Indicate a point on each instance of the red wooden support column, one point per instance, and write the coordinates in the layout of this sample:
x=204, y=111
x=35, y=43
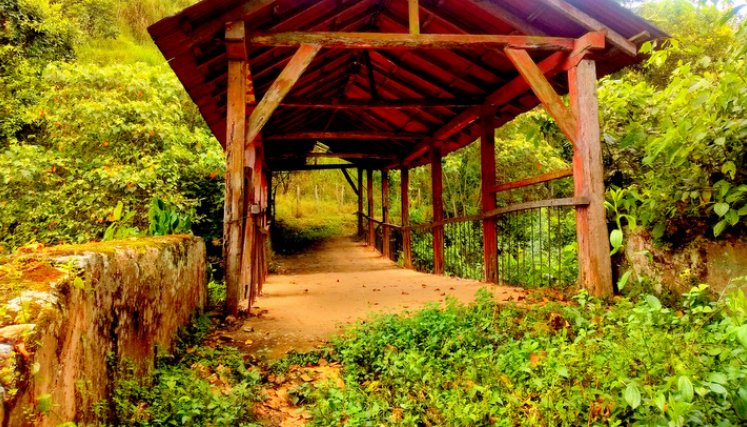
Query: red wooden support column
x=370, y=193
x=386, y=250
x=235, y=139
x=437, y=188
x=406, y=234
x=487, y=166
x=595, y=270
x=360, y=202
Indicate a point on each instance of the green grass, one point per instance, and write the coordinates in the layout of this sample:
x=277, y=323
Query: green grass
x=580, y=363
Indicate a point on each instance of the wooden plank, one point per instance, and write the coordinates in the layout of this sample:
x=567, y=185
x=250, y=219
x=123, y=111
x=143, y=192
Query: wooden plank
x=283, y=168
x=495, y=10
x=487, y=167
x=551, y=203
x=405, y=200
x=234, y=192
x=539, y=179
x=437, y=189
x=353, y=40
x=345, y=135
x=370, y=194
x=358, y=104
x=360, y=203
x=350, y=181
x=550, y=99
x=386, y=249
x=595, y=270
x=282, y=85
x=414, y=16
x=592, y=24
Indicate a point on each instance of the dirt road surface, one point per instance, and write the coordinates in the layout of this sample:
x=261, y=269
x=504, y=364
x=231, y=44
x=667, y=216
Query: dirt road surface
x=334, y=284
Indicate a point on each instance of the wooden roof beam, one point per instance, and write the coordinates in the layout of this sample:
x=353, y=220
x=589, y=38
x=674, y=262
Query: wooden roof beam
x=365, y=104
x=352, y=40
x=332, y=155
x=345, y=135
x=497, y=11
x=550, y=66
x=591, y=24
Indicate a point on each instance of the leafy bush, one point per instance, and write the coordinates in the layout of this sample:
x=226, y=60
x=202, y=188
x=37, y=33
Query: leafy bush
x=637, y=363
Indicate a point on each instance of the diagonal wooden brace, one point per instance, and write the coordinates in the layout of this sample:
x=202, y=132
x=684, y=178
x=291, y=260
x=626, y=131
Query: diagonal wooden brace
x=544, y=91
x=279, y=89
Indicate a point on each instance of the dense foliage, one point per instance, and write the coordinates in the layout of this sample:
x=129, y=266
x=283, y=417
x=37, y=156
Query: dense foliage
x=636, y=362
x=89, y=146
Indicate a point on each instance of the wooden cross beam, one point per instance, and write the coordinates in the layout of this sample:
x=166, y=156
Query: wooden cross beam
x=404, y=103
x=351, y=40
x=279, y=89
x=345, y=135
x=550, y=66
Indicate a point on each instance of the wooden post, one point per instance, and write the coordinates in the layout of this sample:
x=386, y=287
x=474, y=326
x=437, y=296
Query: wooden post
x=437, y=188
x=414, y=18
x=386, y=250
x=235, y=139
x=360, y=202
x=406, y=234
x=370, y=193
x=595, y=271
x=487, y=166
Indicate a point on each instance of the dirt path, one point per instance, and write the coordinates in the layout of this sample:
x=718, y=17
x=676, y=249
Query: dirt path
x=334, y=284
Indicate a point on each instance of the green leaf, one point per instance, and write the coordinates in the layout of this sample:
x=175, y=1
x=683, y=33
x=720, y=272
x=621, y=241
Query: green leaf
x=721, y=209
x=719, y=228
x=623, y=281
x=729, y=168
x=686, y=388
x=616, y=238
x=742, y=335
x=632, y=395
x=653, y=302
x=117, y=214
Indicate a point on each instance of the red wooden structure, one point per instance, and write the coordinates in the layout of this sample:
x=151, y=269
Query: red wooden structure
x=394, y=84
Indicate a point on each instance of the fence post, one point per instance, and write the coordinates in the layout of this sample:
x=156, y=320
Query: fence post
x=370, y=193
x=595, y=270
x=437, y=187
x=487, y=165
x=385, y=231
x=360, y=202
x=406, y=236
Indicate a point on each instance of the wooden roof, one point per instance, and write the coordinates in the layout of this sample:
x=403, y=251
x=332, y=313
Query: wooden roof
x=386, y=107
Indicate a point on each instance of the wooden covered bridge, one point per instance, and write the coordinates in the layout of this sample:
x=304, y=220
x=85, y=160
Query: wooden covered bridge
x=392, y=85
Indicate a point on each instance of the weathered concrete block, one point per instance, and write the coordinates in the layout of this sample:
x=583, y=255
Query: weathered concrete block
x=104, y=303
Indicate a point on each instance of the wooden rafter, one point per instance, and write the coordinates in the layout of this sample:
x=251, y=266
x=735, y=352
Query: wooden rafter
x=414, y=16
x=552, y=102
x=351, y=40
x=550, y=66
x=497, y=11
x=345, y=135
x=591, y=24
x=365, y=104
x=274, y=96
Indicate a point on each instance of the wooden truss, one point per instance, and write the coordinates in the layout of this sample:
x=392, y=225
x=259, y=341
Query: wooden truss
x=247, y=179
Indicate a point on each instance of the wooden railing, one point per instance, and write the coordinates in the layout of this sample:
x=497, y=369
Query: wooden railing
x=533, y=245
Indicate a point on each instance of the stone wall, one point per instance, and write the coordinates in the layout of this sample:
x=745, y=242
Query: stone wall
x=91, y=307
x=720, y=264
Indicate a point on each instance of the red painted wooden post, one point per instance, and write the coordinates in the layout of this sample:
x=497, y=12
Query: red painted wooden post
x=437, y=187
x=487, y=166
x=360, y=203
x=406, y=234
x=595, y=271
x=370, y=193
x=386, y=250
x=235, y=138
